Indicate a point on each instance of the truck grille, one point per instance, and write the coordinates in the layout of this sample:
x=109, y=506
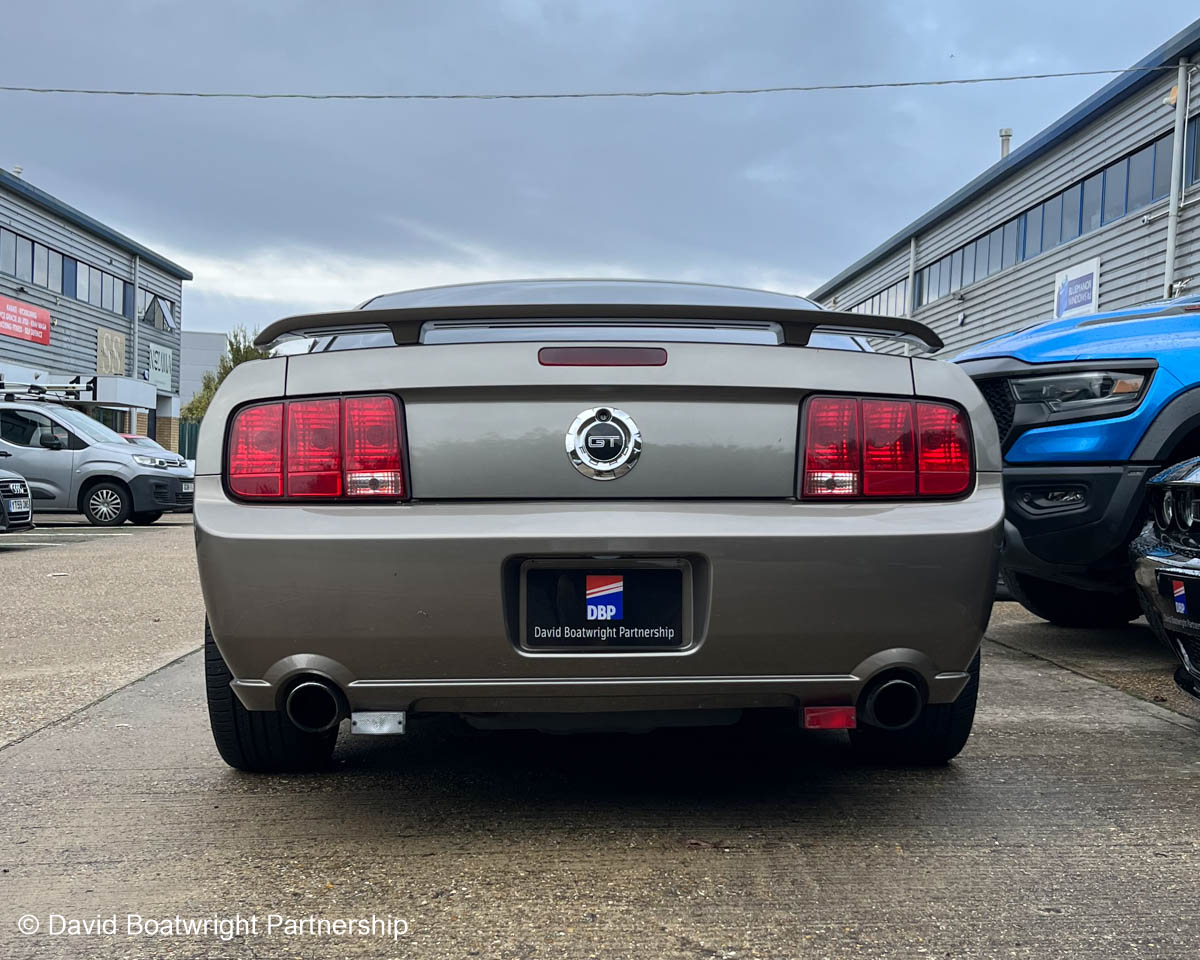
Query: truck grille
x=1191, y=647
x=184, y=499
x=1001, y=402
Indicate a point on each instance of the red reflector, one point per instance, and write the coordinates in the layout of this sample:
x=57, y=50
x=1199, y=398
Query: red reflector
x=256, y=451
x=831, y=448
x=602, y=356
x=372, y=447
x=830, y=718
x=889, y=458
x=943, y=450
x=314, y=454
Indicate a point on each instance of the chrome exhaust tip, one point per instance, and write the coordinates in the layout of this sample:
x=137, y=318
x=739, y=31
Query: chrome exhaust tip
x=894, y=704
x=314, y=706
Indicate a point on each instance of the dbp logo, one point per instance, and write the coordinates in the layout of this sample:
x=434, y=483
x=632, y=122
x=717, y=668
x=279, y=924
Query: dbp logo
x=605, y=596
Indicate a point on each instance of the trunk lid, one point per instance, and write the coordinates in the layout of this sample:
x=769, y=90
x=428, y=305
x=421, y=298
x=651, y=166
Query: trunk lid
x=489, y=421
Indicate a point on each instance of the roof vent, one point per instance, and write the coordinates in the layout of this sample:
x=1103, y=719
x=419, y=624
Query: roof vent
x=1005, y=141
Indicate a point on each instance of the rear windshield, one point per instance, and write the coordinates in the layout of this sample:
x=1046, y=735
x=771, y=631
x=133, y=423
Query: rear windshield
x=766, y=334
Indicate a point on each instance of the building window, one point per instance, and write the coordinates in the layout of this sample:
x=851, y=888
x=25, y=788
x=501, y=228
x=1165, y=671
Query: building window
x=1093, y=191
x=24, y=259
x=8, y=251
x=1072, y=205
x=95, y=287
x=1116, y=178
x=1162, y=165
x=81, y=281
x=1011, y=235
x=1033, y=232
x=54, y=271
x=1141, y=179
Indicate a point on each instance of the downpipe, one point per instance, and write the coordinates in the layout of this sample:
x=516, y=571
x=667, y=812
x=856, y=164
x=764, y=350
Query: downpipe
x=315, y=706
x=893, y=703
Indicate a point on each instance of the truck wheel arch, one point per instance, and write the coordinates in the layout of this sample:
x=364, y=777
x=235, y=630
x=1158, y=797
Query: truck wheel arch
x=1175, y=432
x=86, y=487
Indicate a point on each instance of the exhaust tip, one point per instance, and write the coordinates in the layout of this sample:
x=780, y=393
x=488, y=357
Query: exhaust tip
x=893, y=704
x=314, y=706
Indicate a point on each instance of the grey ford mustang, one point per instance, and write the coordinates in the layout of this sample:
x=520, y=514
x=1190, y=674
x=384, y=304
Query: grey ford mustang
x=594, y=504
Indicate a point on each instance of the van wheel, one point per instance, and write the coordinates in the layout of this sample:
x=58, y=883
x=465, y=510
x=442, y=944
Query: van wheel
x=1067, y=606
x=106, y=505
x=145, y=518
x=257, y=741
x=937, y=736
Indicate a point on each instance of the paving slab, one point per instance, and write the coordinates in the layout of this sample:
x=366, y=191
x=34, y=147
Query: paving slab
x=1068, y=828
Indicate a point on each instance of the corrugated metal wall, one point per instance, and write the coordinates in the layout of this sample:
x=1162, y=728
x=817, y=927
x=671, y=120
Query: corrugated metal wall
x=72, y=348
x=1131, y=251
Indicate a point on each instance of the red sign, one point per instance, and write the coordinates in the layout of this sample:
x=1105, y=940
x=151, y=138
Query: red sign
x=24, y=321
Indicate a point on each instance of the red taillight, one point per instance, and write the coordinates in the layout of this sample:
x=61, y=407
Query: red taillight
x=256, y=452
x=831, y=455
x=372, y=461
x=944, y=450
x=324, y=448
x=882, y=447
x=314, y=448
x=889, y=460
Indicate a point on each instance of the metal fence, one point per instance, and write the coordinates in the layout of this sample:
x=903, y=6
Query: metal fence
x=189, y=432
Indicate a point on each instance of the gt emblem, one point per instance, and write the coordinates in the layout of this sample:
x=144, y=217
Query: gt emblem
x=604, y=443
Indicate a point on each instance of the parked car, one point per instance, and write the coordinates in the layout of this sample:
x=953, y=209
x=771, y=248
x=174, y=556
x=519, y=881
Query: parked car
x=597, y=504
x=1167, y=567
x=16, y=509
x=1087, y=409
x=75, y=463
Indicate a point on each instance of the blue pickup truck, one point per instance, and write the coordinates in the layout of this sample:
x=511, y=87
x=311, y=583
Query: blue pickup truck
x=1088, y=408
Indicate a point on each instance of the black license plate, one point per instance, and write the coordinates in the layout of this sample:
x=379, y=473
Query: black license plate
x=605, y=607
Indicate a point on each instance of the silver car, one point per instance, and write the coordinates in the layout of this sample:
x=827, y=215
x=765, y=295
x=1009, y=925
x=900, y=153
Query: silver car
x=16, y=512
x=594, y=505
x=75, y=463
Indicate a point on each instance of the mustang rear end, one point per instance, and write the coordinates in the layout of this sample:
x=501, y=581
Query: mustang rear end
x=578, y=504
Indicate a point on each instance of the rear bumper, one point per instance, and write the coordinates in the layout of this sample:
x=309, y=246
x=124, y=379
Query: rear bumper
x=409, y=607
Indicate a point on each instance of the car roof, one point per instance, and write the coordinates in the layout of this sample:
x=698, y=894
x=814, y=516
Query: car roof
x=502, y=292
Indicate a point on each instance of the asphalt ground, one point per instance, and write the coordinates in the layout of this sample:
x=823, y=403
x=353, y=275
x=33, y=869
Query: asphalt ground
x=1067, y=828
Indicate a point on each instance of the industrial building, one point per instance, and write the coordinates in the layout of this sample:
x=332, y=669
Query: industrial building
x=79, y=299
x=1098, y=211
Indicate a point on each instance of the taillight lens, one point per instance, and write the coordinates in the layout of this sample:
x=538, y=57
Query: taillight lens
x=256, y=452
x=889, y=458
x=372, y=461
x=314, y=448
x=832, y=464
x=881, y=447
x=944, y=450
x=325, y=448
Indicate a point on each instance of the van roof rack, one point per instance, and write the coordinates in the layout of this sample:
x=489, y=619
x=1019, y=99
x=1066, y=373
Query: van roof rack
x=71, y=390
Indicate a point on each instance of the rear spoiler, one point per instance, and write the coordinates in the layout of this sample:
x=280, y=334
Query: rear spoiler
x=405, y=323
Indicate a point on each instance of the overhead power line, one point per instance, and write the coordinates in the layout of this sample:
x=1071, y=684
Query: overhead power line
x=592, y=95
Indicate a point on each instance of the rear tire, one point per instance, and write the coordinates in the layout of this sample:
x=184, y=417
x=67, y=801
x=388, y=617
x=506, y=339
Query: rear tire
x=144, y=519
x=1067, y=606
x=936, y=737
x=257, y=741
x=106, y=504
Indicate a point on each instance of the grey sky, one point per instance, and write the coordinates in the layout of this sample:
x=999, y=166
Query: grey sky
x=288, y=206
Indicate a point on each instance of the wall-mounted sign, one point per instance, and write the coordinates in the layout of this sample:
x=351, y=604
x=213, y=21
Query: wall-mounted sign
x=159, y=371
x=1077, y=289
x=24, y=321
x=110, y=352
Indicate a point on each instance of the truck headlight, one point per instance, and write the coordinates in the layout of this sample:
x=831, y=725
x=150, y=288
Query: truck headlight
x=149, y=461
x=1082, y=392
